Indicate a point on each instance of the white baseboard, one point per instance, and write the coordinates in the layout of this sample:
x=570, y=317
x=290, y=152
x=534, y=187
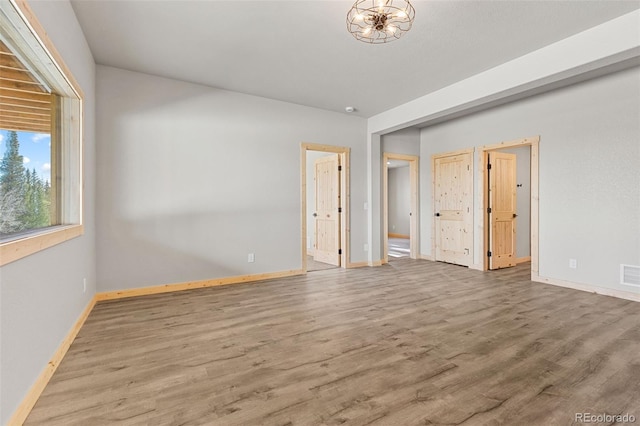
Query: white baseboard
x=627, y=295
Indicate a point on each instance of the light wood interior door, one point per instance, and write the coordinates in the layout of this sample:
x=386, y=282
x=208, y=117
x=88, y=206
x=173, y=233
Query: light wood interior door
x=453, y=200
x=327, y=209
x=502, y=210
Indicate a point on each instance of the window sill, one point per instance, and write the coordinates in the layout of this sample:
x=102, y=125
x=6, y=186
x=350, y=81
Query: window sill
x=23, y=247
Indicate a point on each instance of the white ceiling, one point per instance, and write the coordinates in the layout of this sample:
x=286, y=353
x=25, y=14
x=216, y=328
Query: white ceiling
x=300, y=51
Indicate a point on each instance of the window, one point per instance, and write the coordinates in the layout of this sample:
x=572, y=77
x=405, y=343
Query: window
x=40, y=139
x=25, y=182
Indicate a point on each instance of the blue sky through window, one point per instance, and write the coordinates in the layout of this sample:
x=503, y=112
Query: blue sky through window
x=36, y=150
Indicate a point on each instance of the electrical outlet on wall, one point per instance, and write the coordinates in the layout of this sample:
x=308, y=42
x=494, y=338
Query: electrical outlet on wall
x=573, y=263
x=84, y=285
x=366, y=247
x=251, y=258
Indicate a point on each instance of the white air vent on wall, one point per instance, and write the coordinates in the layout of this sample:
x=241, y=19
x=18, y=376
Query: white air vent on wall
x=630, y=275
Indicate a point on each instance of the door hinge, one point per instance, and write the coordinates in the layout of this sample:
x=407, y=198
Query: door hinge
x=339, y=251
x=339, y=168
x=488, y=254
x=489, y=166
x=488, y=209
x=339, y=209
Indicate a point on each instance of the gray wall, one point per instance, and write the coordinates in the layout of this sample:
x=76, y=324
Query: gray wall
x=405, y=141
x=191, y=179
x=399, y=200
x=41, y=296
x=523, y=199
x=312, y=156
x=589, y=180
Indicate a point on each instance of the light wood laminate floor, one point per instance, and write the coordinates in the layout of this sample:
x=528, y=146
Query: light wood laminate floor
x=398, y=247
x=313, y=265
x=409, y=343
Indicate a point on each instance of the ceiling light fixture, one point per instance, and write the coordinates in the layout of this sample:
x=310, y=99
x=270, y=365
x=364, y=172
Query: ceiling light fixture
x=380, y=21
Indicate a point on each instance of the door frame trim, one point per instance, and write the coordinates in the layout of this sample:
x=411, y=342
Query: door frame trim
x=345, y=229
x=414, y=221
x=483, y=185
x=433, y=199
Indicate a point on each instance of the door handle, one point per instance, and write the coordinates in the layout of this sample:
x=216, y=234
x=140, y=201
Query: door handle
x=315, y=215
x=515, y=215
x=437, y=214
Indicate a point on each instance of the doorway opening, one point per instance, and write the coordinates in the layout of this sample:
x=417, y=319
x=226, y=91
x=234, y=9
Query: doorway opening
x=325, y=206
x=400, y=206
x=510, y=203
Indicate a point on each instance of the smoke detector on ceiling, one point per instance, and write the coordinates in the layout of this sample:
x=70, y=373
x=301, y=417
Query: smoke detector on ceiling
x=350, y=109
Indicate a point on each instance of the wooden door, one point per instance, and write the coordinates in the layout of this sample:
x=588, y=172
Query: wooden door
x=502, y=210
x=327, y=211
x=453, y=201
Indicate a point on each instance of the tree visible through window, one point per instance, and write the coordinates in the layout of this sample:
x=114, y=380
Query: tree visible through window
x=40, y=139
x=25, y=181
